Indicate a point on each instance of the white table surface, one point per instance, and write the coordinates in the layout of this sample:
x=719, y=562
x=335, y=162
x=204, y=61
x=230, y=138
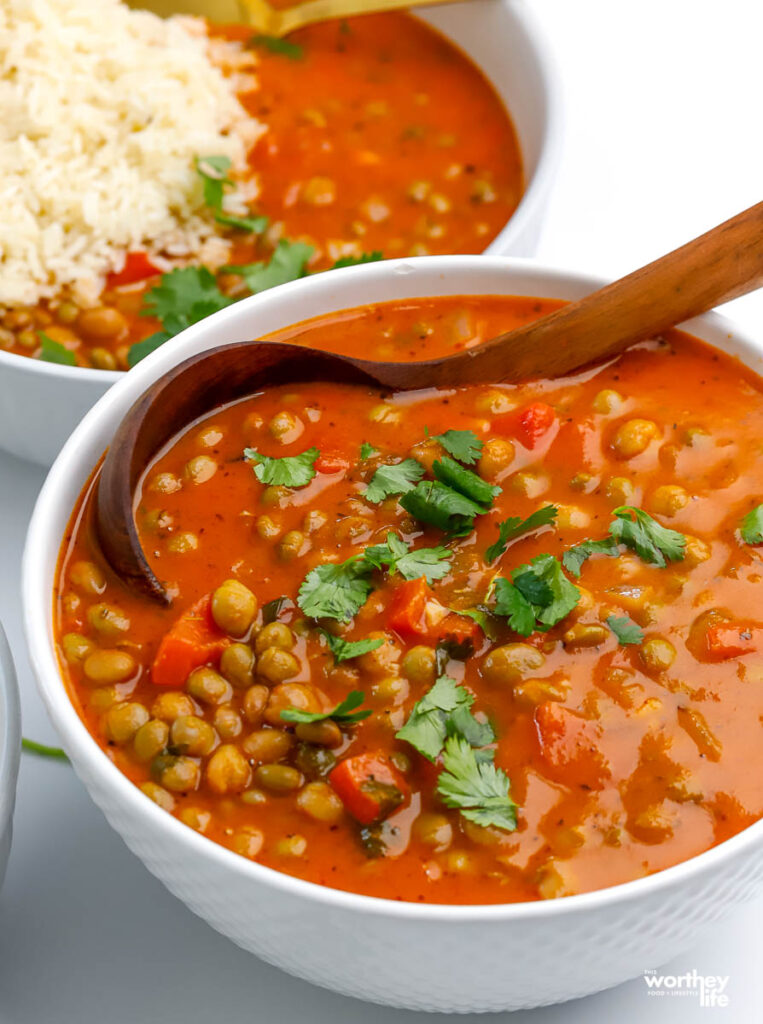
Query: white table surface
x=663, y=141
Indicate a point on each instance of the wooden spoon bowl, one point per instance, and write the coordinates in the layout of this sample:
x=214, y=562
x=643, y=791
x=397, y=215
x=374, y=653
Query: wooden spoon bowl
x=720, y=265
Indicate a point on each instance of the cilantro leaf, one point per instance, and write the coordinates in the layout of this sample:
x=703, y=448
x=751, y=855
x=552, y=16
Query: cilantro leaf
x=432, y=502
x=54, y=352
x=389, y=480
x=626, y=631
x=449, y=472
x=343, y=713
x=463, y=445
x=433, y=563
x=282, y=47
x=444, y=710
x=482, y=617
x=213, y=172
x=472, y=784
x=515, y=527
x=144, y=348
x=751, y=527
x=346, y=649
x=655, y=544
x=511, y=603
x=356, y=261
x=290, y=471
x=336, y=590
x=272, y=609
x=367, y=450
x=255, y=225
x=288, y=263
x=574, y=557
x=538, y=596
x=183, y=297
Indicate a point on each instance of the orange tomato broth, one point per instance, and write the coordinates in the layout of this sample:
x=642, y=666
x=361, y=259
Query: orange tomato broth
x=626, y=768
x=383, y=137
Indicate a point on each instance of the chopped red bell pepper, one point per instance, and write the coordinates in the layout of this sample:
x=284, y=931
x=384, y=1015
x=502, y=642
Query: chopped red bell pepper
x=194, y=640
x=459, y=628
x=535, y=420
x=137, y=268
x=331, y=462
x=731, y=640
x=530, y=425
x=569, y=746
x=369, y=787
x=415, y=614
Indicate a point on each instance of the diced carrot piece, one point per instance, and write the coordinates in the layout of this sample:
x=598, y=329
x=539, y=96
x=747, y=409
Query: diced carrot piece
x=194, y=640
x=369, y=787
x=331, y=462
x=569, y=746
x=731, y=640
x=137, y=268
x=406, y=612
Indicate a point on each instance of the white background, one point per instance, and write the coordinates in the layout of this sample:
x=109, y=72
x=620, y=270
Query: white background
x=664, y=140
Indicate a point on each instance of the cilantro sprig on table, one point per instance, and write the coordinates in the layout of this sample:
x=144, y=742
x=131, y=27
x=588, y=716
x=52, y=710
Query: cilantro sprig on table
x=290, y=471
x=344, y=713
x=390, y=480
x=652, y=542
x=537, y=597
x=444, y=711
x=42, y=750
x=397, y=556
x=751, y=527
x=514, y=527
x=471, y=783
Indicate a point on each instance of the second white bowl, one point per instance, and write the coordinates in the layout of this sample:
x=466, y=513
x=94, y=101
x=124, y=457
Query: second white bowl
x=41, y=403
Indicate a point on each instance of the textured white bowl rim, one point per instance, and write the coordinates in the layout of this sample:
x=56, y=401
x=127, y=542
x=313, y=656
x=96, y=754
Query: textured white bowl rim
x=83, y=749
x=533, y=196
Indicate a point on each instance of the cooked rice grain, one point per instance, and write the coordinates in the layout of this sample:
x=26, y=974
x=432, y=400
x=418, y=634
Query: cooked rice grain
x=103, y=111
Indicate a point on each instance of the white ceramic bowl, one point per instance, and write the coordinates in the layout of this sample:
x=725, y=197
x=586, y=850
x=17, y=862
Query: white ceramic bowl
x=10, y=748
x=41, y=403
x=447, y=958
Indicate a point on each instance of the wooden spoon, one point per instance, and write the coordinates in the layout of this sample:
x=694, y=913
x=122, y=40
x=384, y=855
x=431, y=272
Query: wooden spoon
x=720, y=265
x=267, y=20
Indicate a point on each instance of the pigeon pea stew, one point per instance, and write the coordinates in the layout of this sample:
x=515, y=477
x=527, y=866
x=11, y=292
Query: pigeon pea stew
x=484, y=644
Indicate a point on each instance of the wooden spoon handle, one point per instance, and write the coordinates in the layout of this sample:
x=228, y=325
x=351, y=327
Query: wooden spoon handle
x=718, y=266
x=282, y=22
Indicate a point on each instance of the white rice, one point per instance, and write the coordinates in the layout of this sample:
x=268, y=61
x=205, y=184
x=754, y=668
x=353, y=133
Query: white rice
x=104, y=110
